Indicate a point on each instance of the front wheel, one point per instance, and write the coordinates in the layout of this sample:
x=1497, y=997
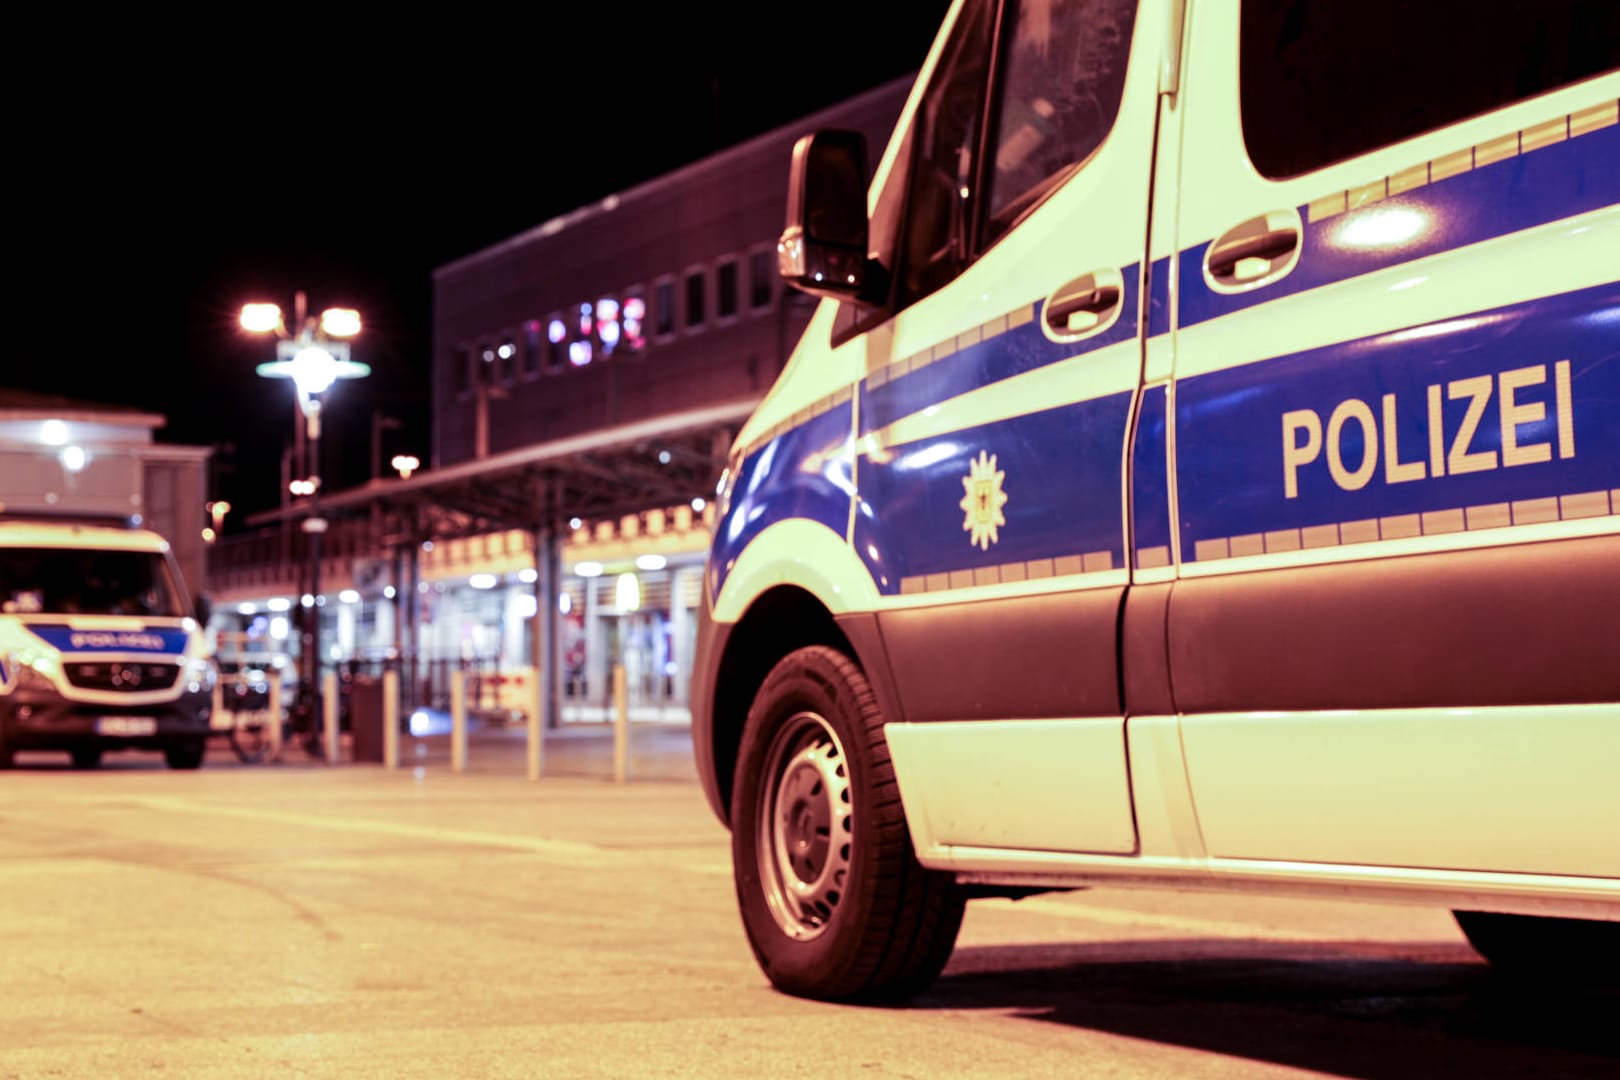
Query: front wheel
x=834, y=902
x=186, y=755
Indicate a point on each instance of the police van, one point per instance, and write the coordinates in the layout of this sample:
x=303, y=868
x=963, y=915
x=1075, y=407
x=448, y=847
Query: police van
x=1202, y=470
x=101, y=649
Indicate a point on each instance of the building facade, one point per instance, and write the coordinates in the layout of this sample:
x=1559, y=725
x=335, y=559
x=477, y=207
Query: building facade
x=74, y=458
x=588, y=376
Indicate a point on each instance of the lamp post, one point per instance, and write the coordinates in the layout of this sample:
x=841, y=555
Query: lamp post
x=314, y=353
x=216, y=512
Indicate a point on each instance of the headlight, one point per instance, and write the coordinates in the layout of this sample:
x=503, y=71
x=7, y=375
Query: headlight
x=201, y=675
x=32, y=677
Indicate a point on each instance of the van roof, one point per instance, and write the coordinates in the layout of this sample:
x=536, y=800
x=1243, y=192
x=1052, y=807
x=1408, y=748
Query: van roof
x=75, y=535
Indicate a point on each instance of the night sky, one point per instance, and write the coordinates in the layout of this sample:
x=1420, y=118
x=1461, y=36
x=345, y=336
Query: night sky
x=176, y=173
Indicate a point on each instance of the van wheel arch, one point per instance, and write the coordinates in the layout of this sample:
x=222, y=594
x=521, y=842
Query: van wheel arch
x=780, y=621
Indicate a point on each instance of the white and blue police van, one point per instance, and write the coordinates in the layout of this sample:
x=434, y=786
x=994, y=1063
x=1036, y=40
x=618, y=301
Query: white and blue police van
x=1202, y=470
x=101, y=648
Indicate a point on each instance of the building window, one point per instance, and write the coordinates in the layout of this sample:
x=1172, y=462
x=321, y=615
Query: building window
x=609, y=332
x=633, y=322
x=725, y=290
x=696, y=301
x=556, y=343
x=506, y=362
x=580, y=351
x=533, y=347
x=761, y=277
x=664, y=308
x=486, y=365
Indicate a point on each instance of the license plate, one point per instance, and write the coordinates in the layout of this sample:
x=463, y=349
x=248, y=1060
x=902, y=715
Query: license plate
x=126, y=725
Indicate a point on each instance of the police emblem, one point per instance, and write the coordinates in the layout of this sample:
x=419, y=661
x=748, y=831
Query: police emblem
x=983, y=500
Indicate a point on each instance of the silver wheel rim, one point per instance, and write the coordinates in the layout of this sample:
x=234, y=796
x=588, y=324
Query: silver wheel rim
x=803, y=828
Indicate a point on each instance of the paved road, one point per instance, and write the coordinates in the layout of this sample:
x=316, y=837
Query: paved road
x=310, y=921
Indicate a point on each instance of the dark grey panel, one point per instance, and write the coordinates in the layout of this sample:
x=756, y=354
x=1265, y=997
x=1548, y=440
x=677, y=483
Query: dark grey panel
x=1146, y=651
x=1023, y=658
x=1529, y=624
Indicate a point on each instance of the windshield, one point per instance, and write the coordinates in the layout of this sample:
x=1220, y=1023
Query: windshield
x=64, y=581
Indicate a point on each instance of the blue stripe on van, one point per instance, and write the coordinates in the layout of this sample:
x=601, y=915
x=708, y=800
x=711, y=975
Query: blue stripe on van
x=804, y=473
x=1536, y=188
x=1150, y=480
x=148, y=639
x=1229, y=423
x=987, y=361
x=1495, y=370
x=1062, y=485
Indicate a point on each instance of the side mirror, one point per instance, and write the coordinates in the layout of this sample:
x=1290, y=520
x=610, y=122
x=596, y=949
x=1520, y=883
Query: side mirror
x=205, y=610
x=822, y=250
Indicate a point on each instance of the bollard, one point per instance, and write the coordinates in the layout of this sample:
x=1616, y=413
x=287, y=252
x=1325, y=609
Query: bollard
x=535, y=747
x=216, y=706
x=458, y=721
x=390, y=719
x=274, y=719
x=329, y=715
x=621, y=726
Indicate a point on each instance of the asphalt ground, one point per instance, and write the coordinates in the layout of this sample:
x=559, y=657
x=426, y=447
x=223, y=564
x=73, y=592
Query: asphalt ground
x=656, y=751
x=299, y=919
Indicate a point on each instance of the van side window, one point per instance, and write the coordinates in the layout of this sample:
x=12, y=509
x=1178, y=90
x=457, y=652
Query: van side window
x=938, y=200
x=1063, y=73
x=1321, y=83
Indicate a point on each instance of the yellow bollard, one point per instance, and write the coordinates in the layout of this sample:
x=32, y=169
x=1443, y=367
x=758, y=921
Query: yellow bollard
x=621, y=726
x=275, y=713
x=390, y=719
x=536, y=748
x=329, y=716
x=458, y=721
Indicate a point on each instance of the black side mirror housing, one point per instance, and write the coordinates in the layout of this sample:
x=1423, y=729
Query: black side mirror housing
x=823, y=247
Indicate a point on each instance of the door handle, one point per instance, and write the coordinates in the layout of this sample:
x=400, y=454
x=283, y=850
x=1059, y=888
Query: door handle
x=1254, y=253
x=1087, y=305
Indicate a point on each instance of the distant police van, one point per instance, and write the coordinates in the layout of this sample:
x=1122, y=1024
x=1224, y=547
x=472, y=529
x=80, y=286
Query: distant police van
x=1202, y=471
x=100, y=648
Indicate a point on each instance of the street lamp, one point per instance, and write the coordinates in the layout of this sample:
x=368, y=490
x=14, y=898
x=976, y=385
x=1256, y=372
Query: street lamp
x=314, y=353
x=216, y=511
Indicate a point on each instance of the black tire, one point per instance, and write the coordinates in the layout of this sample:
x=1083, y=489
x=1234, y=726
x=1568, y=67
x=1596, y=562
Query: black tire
x=88, y=757
x=834, y=902
x=1539, y=946
x=186, y=755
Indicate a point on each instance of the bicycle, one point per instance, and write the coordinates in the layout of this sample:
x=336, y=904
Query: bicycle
x=251, y=735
